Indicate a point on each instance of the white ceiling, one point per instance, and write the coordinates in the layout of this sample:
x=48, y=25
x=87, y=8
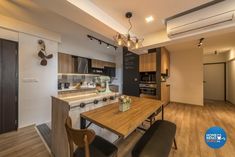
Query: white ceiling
x=33, y=13
x=159, y=9
x=221, y=43
x=63, y=17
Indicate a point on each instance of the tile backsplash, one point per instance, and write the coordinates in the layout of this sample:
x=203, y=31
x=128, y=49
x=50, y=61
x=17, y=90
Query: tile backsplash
x=75, y=79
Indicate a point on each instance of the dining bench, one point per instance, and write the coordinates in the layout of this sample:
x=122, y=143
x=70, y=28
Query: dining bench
x=156, y=141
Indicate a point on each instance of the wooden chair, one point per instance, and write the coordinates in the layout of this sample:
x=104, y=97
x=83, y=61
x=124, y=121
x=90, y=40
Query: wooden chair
x=88, y=144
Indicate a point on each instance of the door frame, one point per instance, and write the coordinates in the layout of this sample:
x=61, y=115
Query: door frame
x=225, y=77
x=16, y=81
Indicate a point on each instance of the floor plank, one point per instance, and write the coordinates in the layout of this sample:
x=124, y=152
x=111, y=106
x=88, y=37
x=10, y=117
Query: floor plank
x=22, y=143
x=192, y=123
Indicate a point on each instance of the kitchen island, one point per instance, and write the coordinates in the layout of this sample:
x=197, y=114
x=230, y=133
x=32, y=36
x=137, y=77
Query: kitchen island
x=73, y=104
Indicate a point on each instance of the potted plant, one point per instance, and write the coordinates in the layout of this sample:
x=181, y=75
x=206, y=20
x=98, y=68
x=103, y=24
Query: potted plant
x=124, y=103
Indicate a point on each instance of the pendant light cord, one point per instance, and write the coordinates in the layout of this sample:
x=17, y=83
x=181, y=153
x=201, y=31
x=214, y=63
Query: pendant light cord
x=129, y=20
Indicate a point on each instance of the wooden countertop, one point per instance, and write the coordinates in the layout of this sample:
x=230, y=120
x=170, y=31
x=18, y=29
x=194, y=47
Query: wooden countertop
x=75, y=98
x=123, y=123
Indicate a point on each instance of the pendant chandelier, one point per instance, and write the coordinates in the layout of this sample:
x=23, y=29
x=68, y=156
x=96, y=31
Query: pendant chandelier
x=127, y=40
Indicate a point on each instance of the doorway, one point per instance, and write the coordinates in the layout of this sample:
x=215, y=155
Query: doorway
x=8, y=85
x=215, y=81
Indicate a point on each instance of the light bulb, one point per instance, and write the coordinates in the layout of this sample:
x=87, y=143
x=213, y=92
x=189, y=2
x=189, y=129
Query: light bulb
x=128, y=40
x=119, y=42
x=128, y=43
x=136, y=45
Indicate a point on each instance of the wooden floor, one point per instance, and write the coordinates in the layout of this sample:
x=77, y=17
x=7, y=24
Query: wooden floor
x=192, y=123
x=23, y=143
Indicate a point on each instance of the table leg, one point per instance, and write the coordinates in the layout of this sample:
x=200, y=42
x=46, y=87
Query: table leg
x=82, y=123
x=162, y=112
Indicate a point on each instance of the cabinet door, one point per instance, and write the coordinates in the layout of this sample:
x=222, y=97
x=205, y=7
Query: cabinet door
x=93, y=63
x=110, y=64
x=152, y=59
x=65, y=63
x=141, y=63
x=147, y=62
x=130, y=73
x=97, y=64
x=165, y=61
x=165, y=93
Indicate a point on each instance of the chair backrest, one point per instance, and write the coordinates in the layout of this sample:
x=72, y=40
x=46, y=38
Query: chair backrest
x=80, y=137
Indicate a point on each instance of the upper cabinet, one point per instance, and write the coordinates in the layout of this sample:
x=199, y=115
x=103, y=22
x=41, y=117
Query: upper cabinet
x=80, y=65
x=165, y=61
x=97, y=64
x=65, y=63
x=148, y=62
x=101, y=64
x=103, y=67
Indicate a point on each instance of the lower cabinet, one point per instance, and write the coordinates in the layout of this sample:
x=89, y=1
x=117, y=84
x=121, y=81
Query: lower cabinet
x=165, y=93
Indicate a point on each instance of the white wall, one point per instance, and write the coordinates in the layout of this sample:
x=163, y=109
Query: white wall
x=231, y=54
x=119, y=69
x=19, y=26
x=82, y=46
x=227, y=57
x=35, y=97
x=9, y=35
x=231, y=76
x=186, y=76
x=231, y=81
x=212, y=58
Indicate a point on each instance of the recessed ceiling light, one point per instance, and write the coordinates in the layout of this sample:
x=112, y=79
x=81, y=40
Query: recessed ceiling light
x=149, y=19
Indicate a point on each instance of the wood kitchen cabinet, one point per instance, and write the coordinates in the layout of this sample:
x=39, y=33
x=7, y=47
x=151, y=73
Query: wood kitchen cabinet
x=65, y=63
x=148, y=62
x=110, y=64
x=101, y=64
x=165, y=93
x=97, y=64
x=165, y=61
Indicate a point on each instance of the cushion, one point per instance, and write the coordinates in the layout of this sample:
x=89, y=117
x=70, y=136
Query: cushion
x=157, y=140
x=98, y=148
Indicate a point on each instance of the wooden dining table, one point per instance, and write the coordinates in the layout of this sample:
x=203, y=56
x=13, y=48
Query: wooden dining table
x=122, y=123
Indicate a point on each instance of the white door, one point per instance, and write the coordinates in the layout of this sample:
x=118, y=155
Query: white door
x=214, y=81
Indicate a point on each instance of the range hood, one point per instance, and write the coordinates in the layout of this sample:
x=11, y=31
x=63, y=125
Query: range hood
x=80, y=65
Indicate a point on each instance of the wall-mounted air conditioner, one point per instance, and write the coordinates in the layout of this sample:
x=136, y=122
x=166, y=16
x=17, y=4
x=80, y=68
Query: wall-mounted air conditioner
x=200, y=21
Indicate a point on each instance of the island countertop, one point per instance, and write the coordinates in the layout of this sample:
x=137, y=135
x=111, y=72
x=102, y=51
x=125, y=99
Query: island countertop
x=74, y=99
x=72, y=105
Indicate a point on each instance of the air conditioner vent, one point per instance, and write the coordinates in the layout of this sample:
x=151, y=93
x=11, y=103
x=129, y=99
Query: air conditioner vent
x=215, y=17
